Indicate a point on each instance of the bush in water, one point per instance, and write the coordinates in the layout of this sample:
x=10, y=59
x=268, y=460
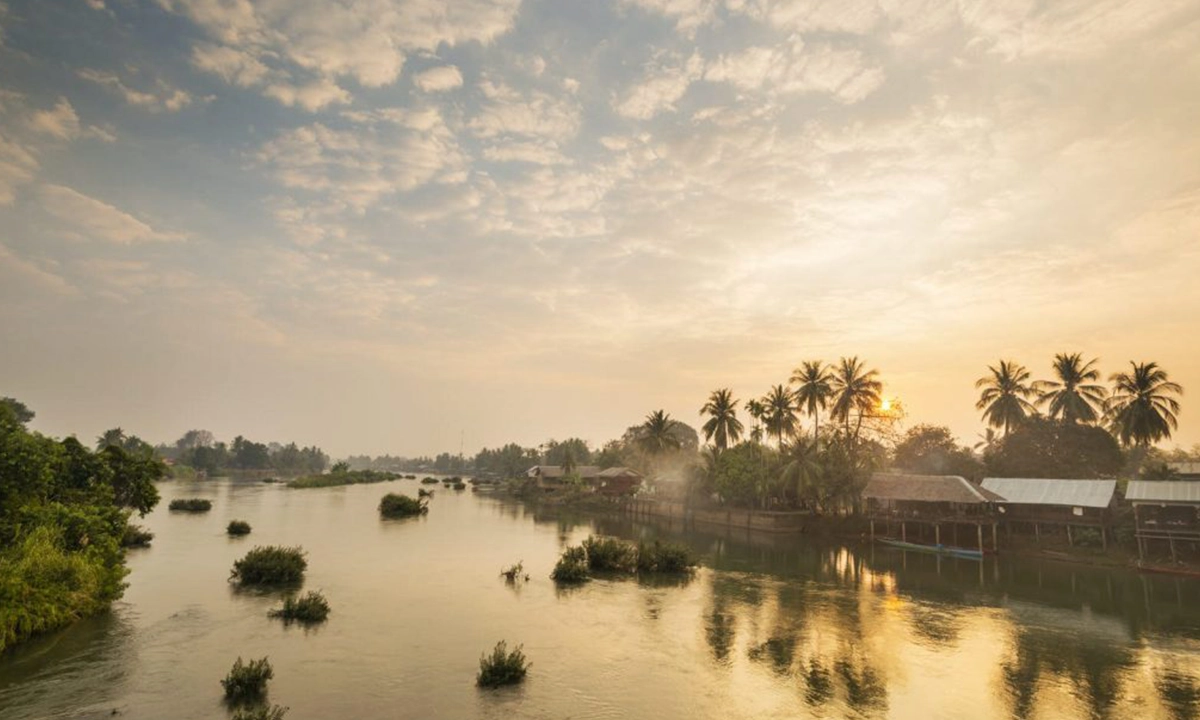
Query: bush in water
x=309, y=608
x=247, y=682
x=192, y=505
x=502, y=667
x=401, y=506
x=238, y=527
x=271, y=565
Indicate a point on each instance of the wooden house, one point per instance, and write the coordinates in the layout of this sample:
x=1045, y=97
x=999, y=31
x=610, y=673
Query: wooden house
x=931, y=502
x=1166, y=513
x=1036, y=502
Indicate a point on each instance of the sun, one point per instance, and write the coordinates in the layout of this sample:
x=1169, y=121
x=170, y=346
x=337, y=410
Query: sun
x=885, y=404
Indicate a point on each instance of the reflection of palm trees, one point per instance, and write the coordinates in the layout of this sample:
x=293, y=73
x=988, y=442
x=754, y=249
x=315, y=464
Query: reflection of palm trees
x=865, y=688
x=1179, y=693
x=720, y=630
x=779, y=649
x=819, y=682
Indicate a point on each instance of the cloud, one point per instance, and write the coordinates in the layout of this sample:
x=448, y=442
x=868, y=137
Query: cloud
x=687, y=14
x=21, y=270
x=311, y=96
x=60, y=121
x=439, y=79
x=165, y=98
x=664, y=82
x=234, y=66
x=791, y=68
x=90, y=219
x=17, y=167
x=537, y=153
x=533, y=114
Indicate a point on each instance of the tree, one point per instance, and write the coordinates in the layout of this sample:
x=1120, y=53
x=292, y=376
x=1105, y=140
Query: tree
x=1072, y=397
x=722, y=427
x=757, y=410
x=133, y=477
x=576, y=448
x=856, y=391
x=656, y=436
x=1141, y=409
x=814, y=386
x=1005, y=397
x=20, y=412
x=802, y=471
x=742, y=475
x=932, y=450
x=1045, y=448
x=111, y=438
x=781, y=413
x=193, y=439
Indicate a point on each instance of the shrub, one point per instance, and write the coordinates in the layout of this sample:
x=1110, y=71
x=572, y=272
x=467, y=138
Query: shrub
x=238, y=527
x=247, y=682
x=309, y=608
x=261, y=712
x=515, y=573
x=271, y=565
x=401, y=506
x=192, y=505
x=664, y=558
x=343, y=477
x=460, y=486
x=136, y=536
x=609, y=555
x=571, y=567
x=423, y=493
x=501, y=667
x=429, y=480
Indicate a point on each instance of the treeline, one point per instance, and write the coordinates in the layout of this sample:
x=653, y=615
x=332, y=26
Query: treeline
x=200, y=450
x=64, y=510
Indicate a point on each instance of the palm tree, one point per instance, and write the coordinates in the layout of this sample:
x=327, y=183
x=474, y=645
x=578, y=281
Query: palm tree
x=1141, y=410
x=814, y=386
x=723, y=427
x=854, y=389
x=657, y=435
x=1004, y=400
x=781, y=413
x=1073, y=397
x=758, y=411
x=111, y=438
x=802, y=470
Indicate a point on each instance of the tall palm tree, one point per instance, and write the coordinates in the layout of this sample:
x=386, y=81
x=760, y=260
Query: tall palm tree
x=814, y=386
x=802, y=470
x=758, y=411
x=855, y=390
x=1005, y=397
x=656, y=434
x=723, y=428
x=1141, y=410
x=781, y=413
x=1073, y=396
x=111, y=438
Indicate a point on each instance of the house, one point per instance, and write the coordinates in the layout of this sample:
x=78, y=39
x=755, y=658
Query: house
x=1035, y=502
x=609, y=481
x=930, y=501
x=1189, y=471
x=619, y=481
x=1166, y=511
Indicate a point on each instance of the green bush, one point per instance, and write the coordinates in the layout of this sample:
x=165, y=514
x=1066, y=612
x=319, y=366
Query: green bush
x=423, y=493
x=429, y=480
x=460, y=486
x=343, y=477
x=502, y=667
x=271, y=565
x=609, y=555
x=247, y=683
x=664, y=558
x=238, y=527
x=572, y=567
x=309, y=608
x=261, y=712
x=136, y=536
x=515, y=573
x=192, y=505
x=401, y=506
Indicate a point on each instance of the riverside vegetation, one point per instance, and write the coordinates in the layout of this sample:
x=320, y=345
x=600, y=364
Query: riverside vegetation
x=238, y=528
x=247, y=682
x=394, y=505
x=342, y=475
x=502, y=667
x=270, y=565
x=191, y=505
x=612, y=556
x=312, y=607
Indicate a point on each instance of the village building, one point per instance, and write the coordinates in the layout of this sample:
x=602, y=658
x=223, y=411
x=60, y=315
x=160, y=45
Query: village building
x=1166, y=513
x=608, y=481
x=1033, y=503
x=934, y=507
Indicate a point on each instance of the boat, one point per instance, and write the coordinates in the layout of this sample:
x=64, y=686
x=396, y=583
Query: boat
x=1182, y=570
x=936, y=549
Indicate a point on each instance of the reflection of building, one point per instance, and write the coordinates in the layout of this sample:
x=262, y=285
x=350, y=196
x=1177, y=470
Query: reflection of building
x=1064, y=503
x=931, y=501
x=1165, y=511
x=609, y=481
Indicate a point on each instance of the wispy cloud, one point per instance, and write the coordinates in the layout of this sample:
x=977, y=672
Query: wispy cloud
x=86, y=218
x=164, y=97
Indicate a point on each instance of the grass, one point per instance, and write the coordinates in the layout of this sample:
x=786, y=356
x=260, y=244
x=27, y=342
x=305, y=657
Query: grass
x=460, y=485
x=515, y=572
x=610, y=555
x=401, y=506
x=238, y=527
x=247, y=682
x=136, y=536
x=502, y=667
x=348, y=477
x=270, y=565
x=664, y=558
x=572, y=567
x=311, y=607
x=423, y=493
x=429, y=480
x=192, y=505
x=261, y=712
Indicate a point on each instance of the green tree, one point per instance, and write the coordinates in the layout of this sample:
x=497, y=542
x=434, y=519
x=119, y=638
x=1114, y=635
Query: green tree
x=932, y=450
x=576, y=448
x=856, y=391
x=1142, y=408
x=742, y=474
x=814, y=386
x=781, y=413
x=757, y=410
x=115, y=437
x=656, y=435
x=1005, y=397
x=723, y=427
x=802, y=472
x=20, y=412
x=1044, y=448
x=1073, y=395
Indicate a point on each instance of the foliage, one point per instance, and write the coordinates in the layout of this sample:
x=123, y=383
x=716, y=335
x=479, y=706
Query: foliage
x=664, y=558
x=513, y=573
x=609, y=554
x=931, y=450
x=1073, y=396
x=191, y=505
x=780, y=413
x=261, y=712
x=1158, y=471
x=572, y=566
x=722, y=427
x=509, y=461
x=743, y=474
x=460, y=485
x=270, y=565
x=855, y=391
x=238, y=527
x=423, y=493
x=136, y=536
x=18, y=410
x=394, y=505
x=1005, y=397
x=814, y=386
x=656, y=436
x=338, y=477
x=429, y=481
x=502, y=667
x=572, y=451
x=198, y=449
x=312, y=607
x=1142, y=408
x=247, y=682
x=1043, y=448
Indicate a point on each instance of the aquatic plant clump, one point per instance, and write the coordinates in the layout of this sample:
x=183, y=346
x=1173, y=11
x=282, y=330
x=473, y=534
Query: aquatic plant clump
x=609, y=555
x=515, y=572
x=238, y=527
x=270, y=565
x=261, y=712
x=423, y=493
x=136, y=536
x=401, y=506
x=664, y=558
x=571, y=567
x=247, y=682
x=502, y=667
x=191, y=505
x=311, y=607
x=344, y=477
x=429, y=480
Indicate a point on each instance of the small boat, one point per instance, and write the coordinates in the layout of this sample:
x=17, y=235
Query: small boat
x=937, y=549
x=1183, y=570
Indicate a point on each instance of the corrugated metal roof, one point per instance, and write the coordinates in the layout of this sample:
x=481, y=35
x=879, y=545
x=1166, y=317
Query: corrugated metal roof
x=1043, y=491
x=927, y=488
x=1184, y=491
x=1185, y=468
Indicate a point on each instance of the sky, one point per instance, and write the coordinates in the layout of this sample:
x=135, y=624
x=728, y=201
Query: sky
x=411, y=226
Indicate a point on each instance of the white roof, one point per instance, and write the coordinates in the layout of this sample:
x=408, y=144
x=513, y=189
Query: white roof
x=1045, y=491
x=1185, y=491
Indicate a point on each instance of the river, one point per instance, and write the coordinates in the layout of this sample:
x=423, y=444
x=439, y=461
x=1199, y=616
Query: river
x=769, y=627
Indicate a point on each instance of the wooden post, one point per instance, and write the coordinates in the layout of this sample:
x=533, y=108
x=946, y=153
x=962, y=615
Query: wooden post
x=1037, y=532
x=1104, y=537
x=903, y=531
x=872, y=530
x=1172, y=541
x=937, y=534
x=979, y=530
x=1070, y=540
x=995, y=545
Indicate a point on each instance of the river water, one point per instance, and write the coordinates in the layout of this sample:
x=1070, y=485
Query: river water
x=769, y=627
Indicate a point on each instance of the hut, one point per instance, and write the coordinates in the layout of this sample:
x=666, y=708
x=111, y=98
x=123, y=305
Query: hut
x=554, y=477
x=930, y=501
x=1034, y=502
x=618, y=481
x=1166, y=511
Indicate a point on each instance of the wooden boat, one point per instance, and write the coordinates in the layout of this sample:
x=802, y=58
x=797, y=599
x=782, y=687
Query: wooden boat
x=1181, y=570
x=936, y=549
